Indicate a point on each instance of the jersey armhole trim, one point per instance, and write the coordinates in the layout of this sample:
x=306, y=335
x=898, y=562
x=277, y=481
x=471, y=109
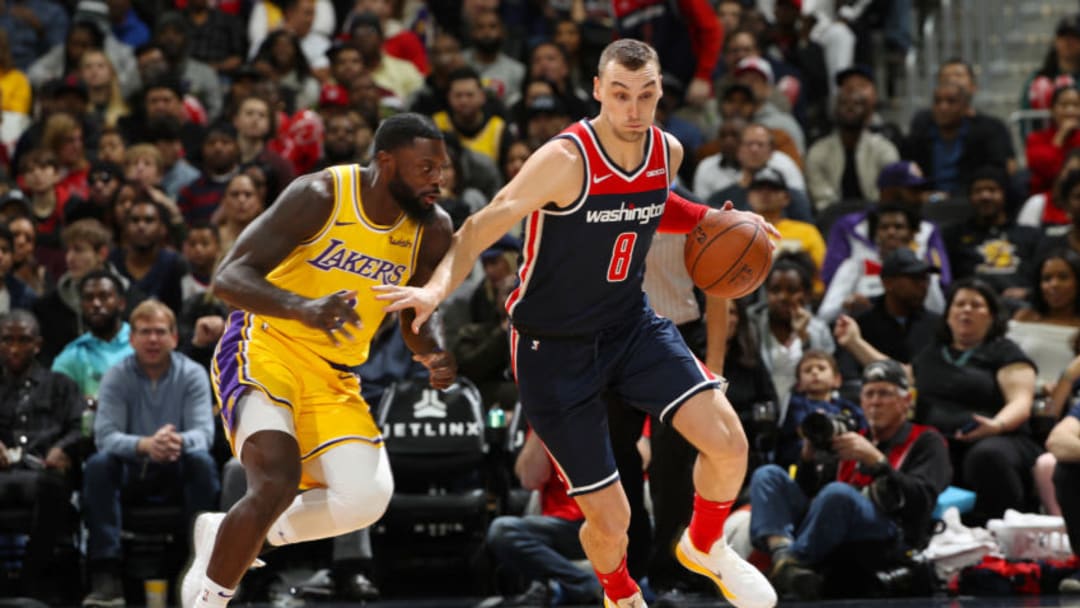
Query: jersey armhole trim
x=333, y=210
x=584, y=179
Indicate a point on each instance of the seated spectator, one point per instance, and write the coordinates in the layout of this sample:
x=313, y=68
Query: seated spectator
x=111, y=146
x=153, y=430
x=40, y=426
x=1064, y=445
x=896, y=253
x=340, y=141
x=897, y=324
x=878, y=488
x=255, y=126
x=15, y=92
x=446, y=56
x=548, y=61
x=1070, y=194
x=281, y=60
x=144, y=260
x=24, y=264
x=737, y=102
x=502, y=74
x=717, y=171
x=40, y=175
x=900, y=182
x=785, y=325
x=163, y=97
x=478, y=129
x=398, y=76
x=1047, y=329
x=1048, y=476
x=1061, y=64
x=103, y=86
x=1046, y=149
x=479, y=345
x=976, y=386
x=202, y=85
x=1048, y=211
x=815, y=390
x=845, y=165
x=199, y=200
x=455, y=196
x=990, y=246
x=106, y=341
x=65, y=54
x=34, y=31
x=13, y=292
x=769, y=196
x=757, y=74
x=955, y=143
x=402, y=39
x=750, y=385
x=202, y=249
x=63, y=137
x=86, y=247
x=176, y=171
x=239, y=207
x=545, y=117
x=755, y=150
x=215, y=37
x=104, y=180
x=960, y=73
x=542, y=548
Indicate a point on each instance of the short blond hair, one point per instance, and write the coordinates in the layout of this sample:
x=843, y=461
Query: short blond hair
x=152, y=308
x=148, y=151
x=629, y=53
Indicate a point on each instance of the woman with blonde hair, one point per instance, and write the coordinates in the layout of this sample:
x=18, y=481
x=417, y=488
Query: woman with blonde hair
x=64, y=138
x=107, y=103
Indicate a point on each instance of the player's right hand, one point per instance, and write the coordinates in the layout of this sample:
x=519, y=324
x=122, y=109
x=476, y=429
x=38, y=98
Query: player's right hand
x=333, y=314
x=400, y=297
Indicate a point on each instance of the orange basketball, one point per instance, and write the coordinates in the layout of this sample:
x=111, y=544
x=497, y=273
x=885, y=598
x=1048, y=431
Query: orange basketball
x=727, y=256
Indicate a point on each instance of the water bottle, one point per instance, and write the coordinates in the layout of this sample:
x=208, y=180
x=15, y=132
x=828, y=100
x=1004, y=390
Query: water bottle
x=88, y=417
x=496, y=418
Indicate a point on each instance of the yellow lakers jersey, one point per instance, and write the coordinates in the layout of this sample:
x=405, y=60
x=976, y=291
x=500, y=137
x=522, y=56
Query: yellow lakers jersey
x=485, y=142
x=350, y=252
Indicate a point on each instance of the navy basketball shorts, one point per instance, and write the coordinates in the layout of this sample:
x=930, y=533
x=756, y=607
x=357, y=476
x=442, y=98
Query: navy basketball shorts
x=562, y=380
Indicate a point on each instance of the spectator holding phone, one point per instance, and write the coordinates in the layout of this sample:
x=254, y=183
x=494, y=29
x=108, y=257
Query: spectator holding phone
x=977, y=387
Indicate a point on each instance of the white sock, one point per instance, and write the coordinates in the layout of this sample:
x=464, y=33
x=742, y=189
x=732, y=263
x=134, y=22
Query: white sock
x=213, y=595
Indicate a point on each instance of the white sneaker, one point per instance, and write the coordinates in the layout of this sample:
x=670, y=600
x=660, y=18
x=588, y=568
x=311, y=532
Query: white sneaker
x=634, y=601
x=742, y=584
x=202, y=540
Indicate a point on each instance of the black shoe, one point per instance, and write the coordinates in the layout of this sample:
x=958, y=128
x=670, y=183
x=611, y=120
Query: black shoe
x=540, y=594
x=795, y=581
x=672, y=598
x=357, y=588
x=106, y=590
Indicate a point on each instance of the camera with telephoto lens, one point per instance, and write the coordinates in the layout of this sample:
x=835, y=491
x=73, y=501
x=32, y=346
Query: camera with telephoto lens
x=819, y=428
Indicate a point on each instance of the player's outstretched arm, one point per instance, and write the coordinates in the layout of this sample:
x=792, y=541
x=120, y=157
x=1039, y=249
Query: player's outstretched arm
x=427, y=345
x=299, y=213
x=554, y=173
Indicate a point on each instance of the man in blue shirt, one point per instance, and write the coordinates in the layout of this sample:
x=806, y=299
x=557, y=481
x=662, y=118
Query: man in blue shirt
x=33, y=27
x=86, y=358
x=153, y=430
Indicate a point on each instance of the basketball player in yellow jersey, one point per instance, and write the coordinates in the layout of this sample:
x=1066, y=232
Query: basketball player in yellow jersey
x=301, y=277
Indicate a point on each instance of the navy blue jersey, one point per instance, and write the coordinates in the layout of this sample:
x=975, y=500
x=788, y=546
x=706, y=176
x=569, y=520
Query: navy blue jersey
x=584, y=264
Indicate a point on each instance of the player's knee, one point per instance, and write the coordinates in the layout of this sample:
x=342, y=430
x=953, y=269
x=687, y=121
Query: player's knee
x=366, y=496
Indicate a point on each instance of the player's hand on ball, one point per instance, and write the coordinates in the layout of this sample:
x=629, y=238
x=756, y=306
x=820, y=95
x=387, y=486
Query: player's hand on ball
x=442, y=367
x=401, y=297
x=334, y=314
x=750, y=216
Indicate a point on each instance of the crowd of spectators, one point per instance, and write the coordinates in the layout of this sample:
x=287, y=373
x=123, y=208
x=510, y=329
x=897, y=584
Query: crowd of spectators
x=140, y=137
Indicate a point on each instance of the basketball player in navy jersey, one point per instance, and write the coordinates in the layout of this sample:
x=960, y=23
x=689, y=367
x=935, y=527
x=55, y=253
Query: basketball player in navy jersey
x=594, y=196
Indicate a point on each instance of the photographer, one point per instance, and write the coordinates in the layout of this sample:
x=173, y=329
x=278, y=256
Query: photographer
x=885, y=487
x=40, y=413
